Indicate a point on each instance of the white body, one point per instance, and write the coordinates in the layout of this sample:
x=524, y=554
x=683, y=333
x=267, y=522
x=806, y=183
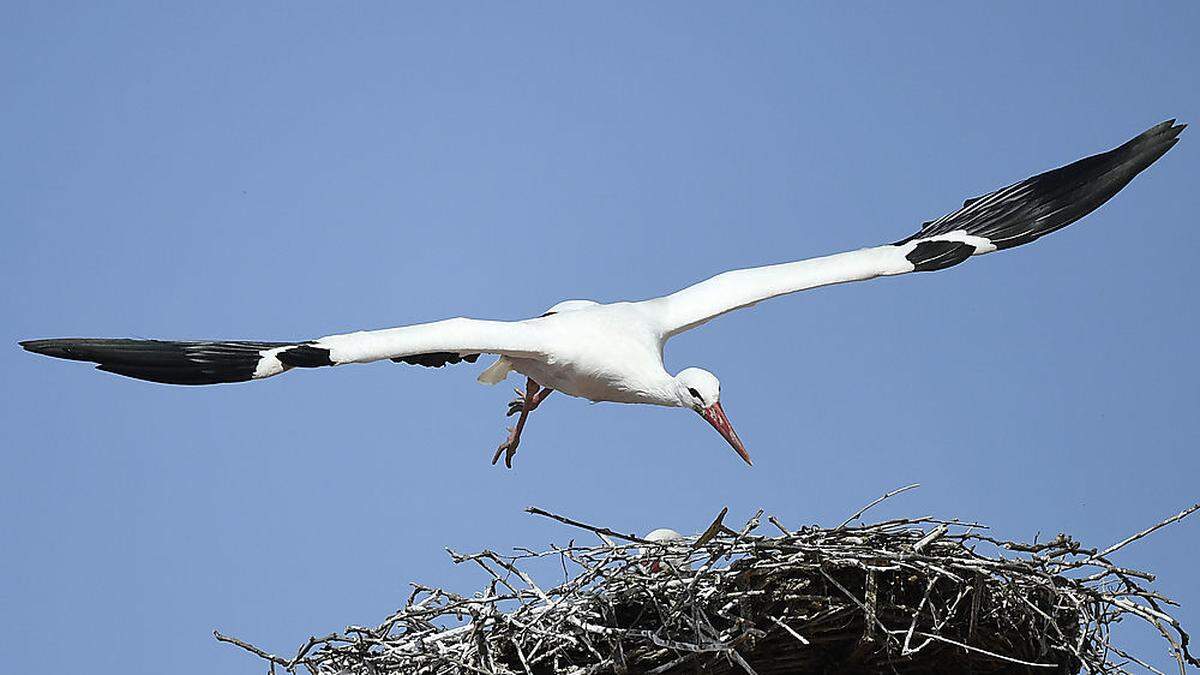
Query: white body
x=607, y=352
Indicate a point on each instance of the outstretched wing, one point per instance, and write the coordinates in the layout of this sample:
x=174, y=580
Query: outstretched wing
x=1008, y=217
x=212, y=362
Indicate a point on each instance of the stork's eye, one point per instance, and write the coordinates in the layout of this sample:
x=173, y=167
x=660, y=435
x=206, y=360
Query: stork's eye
x=695, y=394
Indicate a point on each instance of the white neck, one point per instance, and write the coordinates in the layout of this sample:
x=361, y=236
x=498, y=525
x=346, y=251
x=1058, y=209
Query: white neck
x=663, y=390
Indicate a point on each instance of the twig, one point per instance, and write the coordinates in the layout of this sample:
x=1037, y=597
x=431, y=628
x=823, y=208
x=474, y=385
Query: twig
x=994, y=655
x=859, y=513
x=602, y=531
x=1129, y=540
x=250, y=648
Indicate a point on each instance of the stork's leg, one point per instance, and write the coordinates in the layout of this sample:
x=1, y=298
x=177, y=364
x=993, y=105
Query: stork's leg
x=518, y=404
x=530, y=399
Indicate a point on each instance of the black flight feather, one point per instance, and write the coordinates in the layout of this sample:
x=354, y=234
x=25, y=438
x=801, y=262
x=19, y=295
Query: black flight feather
x=1050, y=201
x=169, y=362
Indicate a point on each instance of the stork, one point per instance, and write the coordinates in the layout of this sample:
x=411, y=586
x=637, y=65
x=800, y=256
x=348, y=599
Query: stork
x=614, y=351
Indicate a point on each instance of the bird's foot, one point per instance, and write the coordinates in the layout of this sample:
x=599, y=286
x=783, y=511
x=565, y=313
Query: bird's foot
x=527, y=401
x=516, y=405
x=508, y=448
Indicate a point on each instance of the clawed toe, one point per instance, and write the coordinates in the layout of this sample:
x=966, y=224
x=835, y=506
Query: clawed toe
x=515, y=405
x=508, y=449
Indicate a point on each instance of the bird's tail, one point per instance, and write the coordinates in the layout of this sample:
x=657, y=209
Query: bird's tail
x=496, y=372
x=174, y=362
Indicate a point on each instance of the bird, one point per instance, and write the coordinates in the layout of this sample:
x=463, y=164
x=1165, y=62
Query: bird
x=614, y=351
x=664, y=536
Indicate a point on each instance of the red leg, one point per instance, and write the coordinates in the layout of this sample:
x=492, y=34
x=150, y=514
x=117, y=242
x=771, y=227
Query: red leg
x=541, y=396
x=530, y=399
x=525, y=401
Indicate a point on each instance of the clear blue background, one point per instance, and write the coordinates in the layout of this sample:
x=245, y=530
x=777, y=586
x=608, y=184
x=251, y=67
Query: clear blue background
x=290, y=170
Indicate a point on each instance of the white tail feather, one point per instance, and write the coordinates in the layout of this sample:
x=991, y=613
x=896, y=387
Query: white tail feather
x=496, y=372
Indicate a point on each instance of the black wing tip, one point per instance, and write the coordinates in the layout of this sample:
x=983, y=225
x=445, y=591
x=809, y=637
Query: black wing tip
x=1054, y=199
x=1166, y=130
x=1157, y=139
x=1169, y=126
x=1147, y=147
x=35, y=346
x=59, y=348
x=168, y=362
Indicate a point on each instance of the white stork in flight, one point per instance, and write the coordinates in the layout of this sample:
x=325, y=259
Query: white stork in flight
x=614, y=351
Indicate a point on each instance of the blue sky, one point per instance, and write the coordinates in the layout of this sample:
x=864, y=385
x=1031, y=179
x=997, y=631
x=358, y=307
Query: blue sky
x=289, y=170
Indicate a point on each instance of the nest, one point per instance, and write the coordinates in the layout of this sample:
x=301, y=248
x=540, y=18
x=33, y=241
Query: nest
x=905, y=596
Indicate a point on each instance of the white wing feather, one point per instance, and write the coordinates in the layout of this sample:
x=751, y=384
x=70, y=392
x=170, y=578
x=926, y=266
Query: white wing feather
x=736, y=289
x=459, y=336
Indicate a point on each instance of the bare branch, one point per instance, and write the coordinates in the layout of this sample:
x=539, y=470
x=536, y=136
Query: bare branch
x=1129, y=540
x=859, y=513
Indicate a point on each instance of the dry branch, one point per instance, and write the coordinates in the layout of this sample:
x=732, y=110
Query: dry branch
x=917, y=595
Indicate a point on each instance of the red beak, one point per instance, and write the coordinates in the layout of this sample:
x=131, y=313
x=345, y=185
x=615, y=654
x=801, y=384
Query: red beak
x=716, y=417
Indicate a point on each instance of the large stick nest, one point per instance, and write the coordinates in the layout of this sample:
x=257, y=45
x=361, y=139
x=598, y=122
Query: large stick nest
x=906, y=596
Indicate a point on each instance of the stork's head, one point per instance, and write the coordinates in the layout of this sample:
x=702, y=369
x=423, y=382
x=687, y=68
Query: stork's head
x=700, y=390
x=664, y=535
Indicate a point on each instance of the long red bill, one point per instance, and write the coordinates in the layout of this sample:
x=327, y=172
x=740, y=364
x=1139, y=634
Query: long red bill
x=716, y=417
